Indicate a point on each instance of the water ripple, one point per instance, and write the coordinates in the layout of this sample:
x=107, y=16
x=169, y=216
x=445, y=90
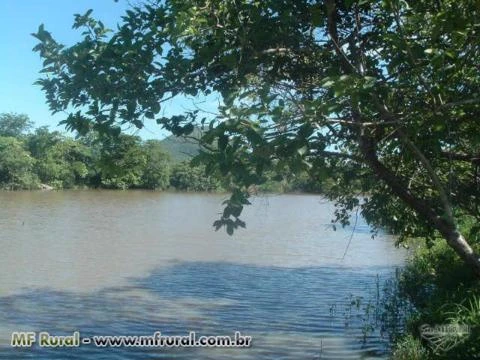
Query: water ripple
x=290, y=313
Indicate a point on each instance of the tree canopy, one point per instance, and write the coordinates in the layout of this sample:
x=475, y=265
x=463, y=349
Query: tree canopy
x=50, y=159
x=383, y=94
x=14, y=125
x=15, y=164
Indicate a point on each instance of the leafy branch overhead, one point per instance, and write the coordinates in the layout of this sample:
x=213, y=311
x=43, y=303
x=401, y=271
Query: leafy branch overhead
x=383, y=94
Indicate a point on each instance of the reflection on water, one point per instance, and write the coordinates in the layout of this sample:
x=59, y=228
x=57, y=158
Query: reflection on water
x=132, y=263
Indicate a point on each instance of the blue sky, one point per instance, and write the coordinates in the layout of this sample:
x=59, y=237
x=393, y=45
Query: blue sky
x=20, y=66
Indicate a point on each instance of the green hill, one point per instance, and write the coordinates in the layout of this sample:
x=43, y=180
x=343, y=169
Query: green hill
x=181, y=148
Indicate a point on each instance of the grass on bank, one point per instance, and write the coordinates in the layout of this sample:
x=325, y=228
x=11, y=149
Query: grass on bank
x=442, y=291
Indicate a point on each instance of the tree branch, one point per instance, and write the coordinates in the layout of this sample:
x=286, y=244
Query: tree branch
x=332, y=31
x=433, y=175
x=462, y=102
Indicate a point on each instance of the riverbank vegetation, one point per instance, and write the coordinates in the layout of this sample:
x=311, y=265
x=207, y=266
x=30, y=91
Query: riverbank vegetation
x=48, y=159
x=442, y=291
x=43, y=159
x=430, y=308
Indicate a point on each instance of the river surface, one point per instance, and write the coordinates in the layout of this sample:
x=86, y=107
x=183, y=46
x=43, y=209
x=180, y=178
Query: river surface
x=136, y=262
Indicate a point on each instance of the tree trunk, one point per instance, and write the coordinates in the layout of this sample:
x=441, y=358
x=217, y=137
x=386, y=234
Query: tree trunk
x=367, y=144
x=456, y=240
x=448, y=230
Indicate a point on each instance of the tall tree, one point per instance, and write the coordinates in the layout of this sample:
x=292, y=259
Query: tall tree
x=385, y=93
x=41, y=140
x=16, y=165
x=65, y=164
x=122, y=161
x=14, y=125
x=156, y=173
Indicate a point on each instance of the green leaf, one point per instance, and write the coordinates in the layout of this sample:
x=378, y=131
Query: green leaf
x=302, y=151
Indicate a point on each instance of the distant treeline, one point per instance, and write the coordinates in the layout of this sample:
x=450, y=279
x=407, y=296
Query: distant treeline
x=44, y=158
x=40, y=158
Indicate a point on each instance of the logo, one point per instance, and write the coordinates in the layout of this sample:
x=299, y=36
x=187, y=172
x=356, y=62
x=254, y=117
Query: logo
x=443, y=338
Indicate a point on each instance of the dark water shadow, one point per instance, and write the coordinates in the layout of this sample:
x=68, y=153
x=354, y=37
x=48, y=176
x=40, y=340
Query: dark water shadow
x=291, y=313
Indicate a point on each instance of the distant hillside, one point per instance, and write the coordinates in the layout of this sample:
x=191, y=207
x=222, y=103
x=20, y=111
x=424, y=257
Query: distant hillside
x=180, y=148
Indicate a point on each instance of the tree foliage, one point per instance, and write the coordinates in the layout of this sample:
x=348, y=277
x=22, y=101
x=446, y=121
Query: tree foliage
x=14, y=125
x=121, y=162
x=15, y=165
x=64, y=164
x=157, y=174
x=188, y=177
x=385, y=94
x=56, y=160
